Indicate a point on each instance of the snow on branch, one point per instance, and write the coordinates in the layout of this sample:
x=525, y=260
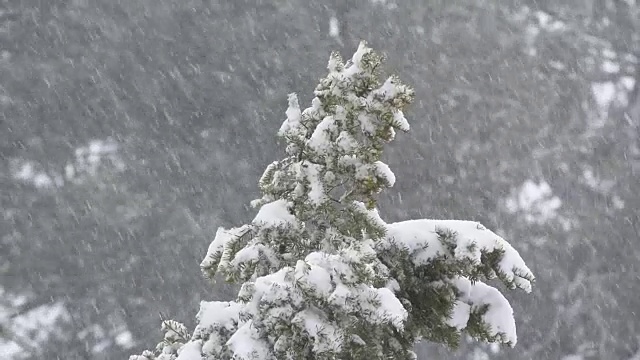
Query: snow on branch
x=422, y=238
x=464, y=252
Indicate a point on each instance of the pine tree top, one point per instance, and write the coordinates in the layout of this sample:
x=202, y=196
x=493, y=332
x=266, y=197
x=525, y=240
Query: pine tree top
x=323, y=276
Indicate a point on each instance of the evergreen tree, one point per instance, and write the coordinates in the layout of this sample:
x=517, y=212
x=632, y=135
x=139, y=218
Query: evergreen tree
x=323, y=276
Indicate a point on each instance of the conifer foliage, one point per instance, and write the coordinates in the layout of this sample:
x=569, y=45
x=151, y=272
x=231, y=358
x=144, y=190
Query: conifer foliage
x=323, y=276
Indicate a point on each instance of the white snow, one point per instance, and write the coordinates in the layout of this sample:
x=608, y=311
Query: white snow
x=391, y=308
x=499, y=315
x=42, y=181
x=124, y=339
x=603, y=93
x=334, y=27
x=320, y=140
x=420, y=240
x=317, y=195
x=191, y=351
x=547, y=22
x=373, y=214
x=217, y=246
x=247, y=344
x=384, y=172
x=326, y=337
x=557, y=65
x=275, y=214
x=460, y=315
x=315, y=110
x=25, y=172
x=363, y=171
x=253, y=253
x=608, y=54
x=292, y=123
x=346, y=142
x=315, y=277
x=419, y=237
x=610, y=67
x=363, y=49
x=366, y=123
x=543, y=18
x=536, y=201
x=400, y=121
x=617, y=202
x=351, y=298
x=214, y=314
x=627, y=82
x=596, y=183
x=270, y=169
x=388, y=91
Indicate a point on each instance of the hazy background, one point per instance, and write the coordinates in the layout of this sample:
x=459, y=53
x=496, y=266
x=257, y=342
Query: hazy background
x=131, y=129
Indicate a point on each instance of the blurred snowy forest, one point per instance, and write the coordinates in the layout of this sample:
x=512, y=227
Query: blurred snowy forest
x=131, y=129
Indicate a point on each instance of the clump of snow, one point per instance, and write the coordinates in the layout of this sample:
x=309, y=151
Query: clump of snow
x=334, y=27
x=391, y=308
x=346, y=142
x=400, y=121
x=372, y=214
x=384, y=172
x=317, y=195
x=609, y=54
x=603, y=93
x=217, y=314
x=624, y=86
x=610, y=67
x=536, y=23
x=275, y=214
x=547, y=22
x=27, y=173
x=315, y=277
x=124, y=339
x=292, y=123
x=557, y=65
x=191, y=351
x=246, y=343
x=217, y=246
x=90, y=157
x=617, y=202
x=536, y=201
x=320, y=140
x=608, y=94
x=213, y=317
x=627, y=82
x=366, y=123
x=499, y=315
x=326, y=337
x=388, y=91
x=357, y=57
x=42, y=181
x=252, y=253
x=460, y=315
x=596, y=183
